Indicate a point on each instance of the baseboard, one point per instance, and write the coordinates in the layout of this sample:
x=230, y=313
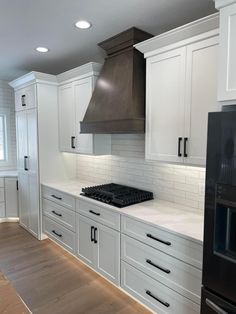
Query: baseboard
x=14, y=219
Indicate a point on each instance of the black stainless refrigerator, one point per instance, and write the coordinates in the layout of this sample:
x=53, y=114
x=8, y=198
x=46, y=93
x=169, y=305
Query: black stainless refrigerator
x=219, y=258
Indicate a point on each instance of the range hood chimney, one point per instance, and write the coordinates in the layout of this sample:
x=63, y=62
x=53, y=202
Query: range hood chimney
x=118, y=101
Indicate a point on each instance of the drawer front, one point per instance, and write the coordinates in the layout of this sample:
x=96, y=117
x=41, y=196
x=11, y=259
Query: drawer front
x=2, y=195
x=2, y=210
x=99, y=214
x=185, y=250
x=177, y=275
x=1, y=182
x=58, y=197
x=59, y=234
x=60, y=214
x=155, y=295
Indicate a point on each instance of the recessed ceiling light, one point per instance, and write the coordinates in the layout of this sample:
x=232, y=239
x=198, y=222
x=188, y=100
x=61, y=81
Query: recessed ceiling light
x=83, y=24
x=42, y=49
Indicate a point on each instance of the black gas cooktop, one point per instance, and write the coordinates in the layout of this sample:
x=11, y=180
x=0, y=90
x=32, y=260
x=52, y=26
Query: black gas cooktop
x=116, y=194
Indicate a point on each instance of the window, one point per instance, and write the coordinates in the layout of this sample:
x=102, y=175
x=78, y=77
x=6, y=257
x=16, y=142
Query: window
x=3, y=138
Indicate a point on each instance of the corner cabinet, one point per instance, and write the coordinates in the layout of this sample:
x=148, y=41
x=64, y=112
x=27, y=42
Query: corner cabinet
x=181, y=90
x=227, y=60
x=74, y=98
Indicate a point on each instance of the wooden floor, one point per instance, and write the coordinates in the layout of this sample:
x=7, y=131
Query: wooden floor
x=51, y=281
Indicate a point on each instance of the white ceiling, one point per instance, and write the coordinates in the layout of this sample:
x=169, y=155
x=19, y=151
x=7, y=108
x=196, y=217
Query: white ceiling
x=26, y=24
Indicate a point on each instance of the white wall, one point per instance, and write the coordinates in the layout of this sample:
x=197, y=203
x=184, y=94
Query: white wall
x=176, y=183
x=7, y=101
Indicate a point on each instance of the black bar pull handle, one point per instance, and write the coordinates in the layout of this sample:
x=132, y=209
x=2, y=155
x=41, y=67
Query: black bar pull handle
x=157, y=299
x=157, y=239
x=95, y=235
x=72, y=141
x=165, y=270
x=94, y=213
x=25, y=163
x=17, y=185
x=23, y=104
x=179, y=146
x=185, y=147
x=56, y=197
x=215, y=307
x=91, y=234
x=57, y=234
x=57, y=214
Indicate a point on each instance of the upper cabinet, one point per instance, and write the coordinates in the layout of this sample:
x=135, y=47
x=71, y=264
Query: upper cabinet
x=227, y=60
x=181, y=91
x=74, y=95
x=25, y=98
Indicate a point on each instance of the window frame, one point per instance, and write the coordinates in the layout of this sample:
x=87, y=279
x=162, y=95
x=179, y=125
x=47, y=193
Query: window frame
x=8, y=154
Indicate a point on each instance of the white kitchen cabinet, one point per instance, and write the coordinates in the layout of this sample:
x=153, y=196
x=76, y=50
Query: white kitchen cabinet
x=25, y=98
x=165, y=105
x=27, y=148
x=99, y=247
x=67, y=119
x=181, y=90
x=227, y=51
x=11, y=197
x=200, y=97
x=73, y=100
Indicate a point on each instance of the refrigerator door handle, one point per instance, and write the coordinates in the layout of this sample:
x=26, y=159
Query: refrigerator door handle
x=215, y=307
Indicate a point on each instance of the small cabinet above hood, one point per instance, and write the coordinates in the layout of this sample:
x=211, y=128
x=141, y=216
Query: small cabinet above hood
x=118, y=101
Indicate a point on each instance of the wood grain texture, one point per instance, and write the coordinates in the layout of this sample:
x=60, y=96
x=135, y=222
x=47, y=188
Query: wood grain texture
x=50, y=280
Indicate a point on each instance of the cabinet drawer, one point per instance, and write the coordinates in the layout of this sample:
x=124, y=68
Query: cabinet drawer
x=2, y=195
x=59, y=234
x=185, y=250
x=178, y=275
x=155, y=295
x=58, y=197
x=59, y=213
x=99, y=214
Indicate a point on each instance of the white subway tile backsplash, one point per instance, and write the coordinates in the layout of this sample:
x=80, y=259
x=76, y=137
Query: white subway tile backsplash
x=127, y=165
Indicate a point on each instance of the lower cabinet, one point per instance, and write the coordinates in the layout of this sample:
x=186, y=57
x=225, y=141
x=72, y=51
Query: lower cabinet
x=154, y=294
x=99, y=247
x=8, y=197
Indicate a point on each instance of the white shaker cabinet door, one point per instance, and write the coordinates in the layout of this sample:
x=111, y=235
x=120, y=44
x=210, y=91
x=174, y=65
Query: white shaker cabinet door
x=227, y=59
x=83, y=93
x=108, y=253
x=165, y=105
x=11, y=194
x=85, y=233
x=67, y=136
x=23, y=198
x=22, y=139
x=201, y=97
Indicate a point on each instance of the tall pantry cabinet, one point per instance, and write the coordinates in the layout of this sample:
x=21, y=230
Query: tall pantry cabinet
x=38, y=157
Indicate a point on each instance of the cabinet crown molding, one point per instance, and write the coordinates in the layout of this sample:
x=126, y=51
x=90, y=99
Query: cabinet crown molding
x=88, y=69
x=198, y=27
x=219, y=4
x=33, y=77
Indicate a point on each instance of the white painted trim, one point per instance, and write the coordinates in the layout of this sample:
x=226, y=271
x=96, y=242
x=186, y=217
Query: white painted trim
x=88, y=69
x=219, y=4
x=33, y=77
x=76, y=78
x=181, y=33
x=195, y=39
x=9, y=219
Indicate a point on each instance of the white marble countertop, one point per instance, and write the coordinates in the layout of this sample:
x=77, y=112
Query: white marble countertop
x=8, y=173
x=169, y=216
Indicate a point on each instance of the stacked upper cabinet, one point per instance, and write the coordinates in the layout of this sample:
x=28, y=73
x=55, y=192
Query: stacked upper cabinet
x=181, y=90
x=38, y=156
x=74, y=93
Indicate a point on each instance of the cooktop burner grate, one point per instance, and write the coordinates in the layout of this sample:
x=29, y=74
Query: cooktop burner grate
x=116, y=194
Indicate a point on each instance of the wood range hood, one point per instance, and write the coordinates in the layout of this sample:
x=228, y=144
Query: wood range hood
x=118, y=101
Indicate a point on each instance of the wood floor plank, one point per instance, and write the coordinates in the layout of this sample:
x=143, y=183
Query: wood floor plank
x=51, y=281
